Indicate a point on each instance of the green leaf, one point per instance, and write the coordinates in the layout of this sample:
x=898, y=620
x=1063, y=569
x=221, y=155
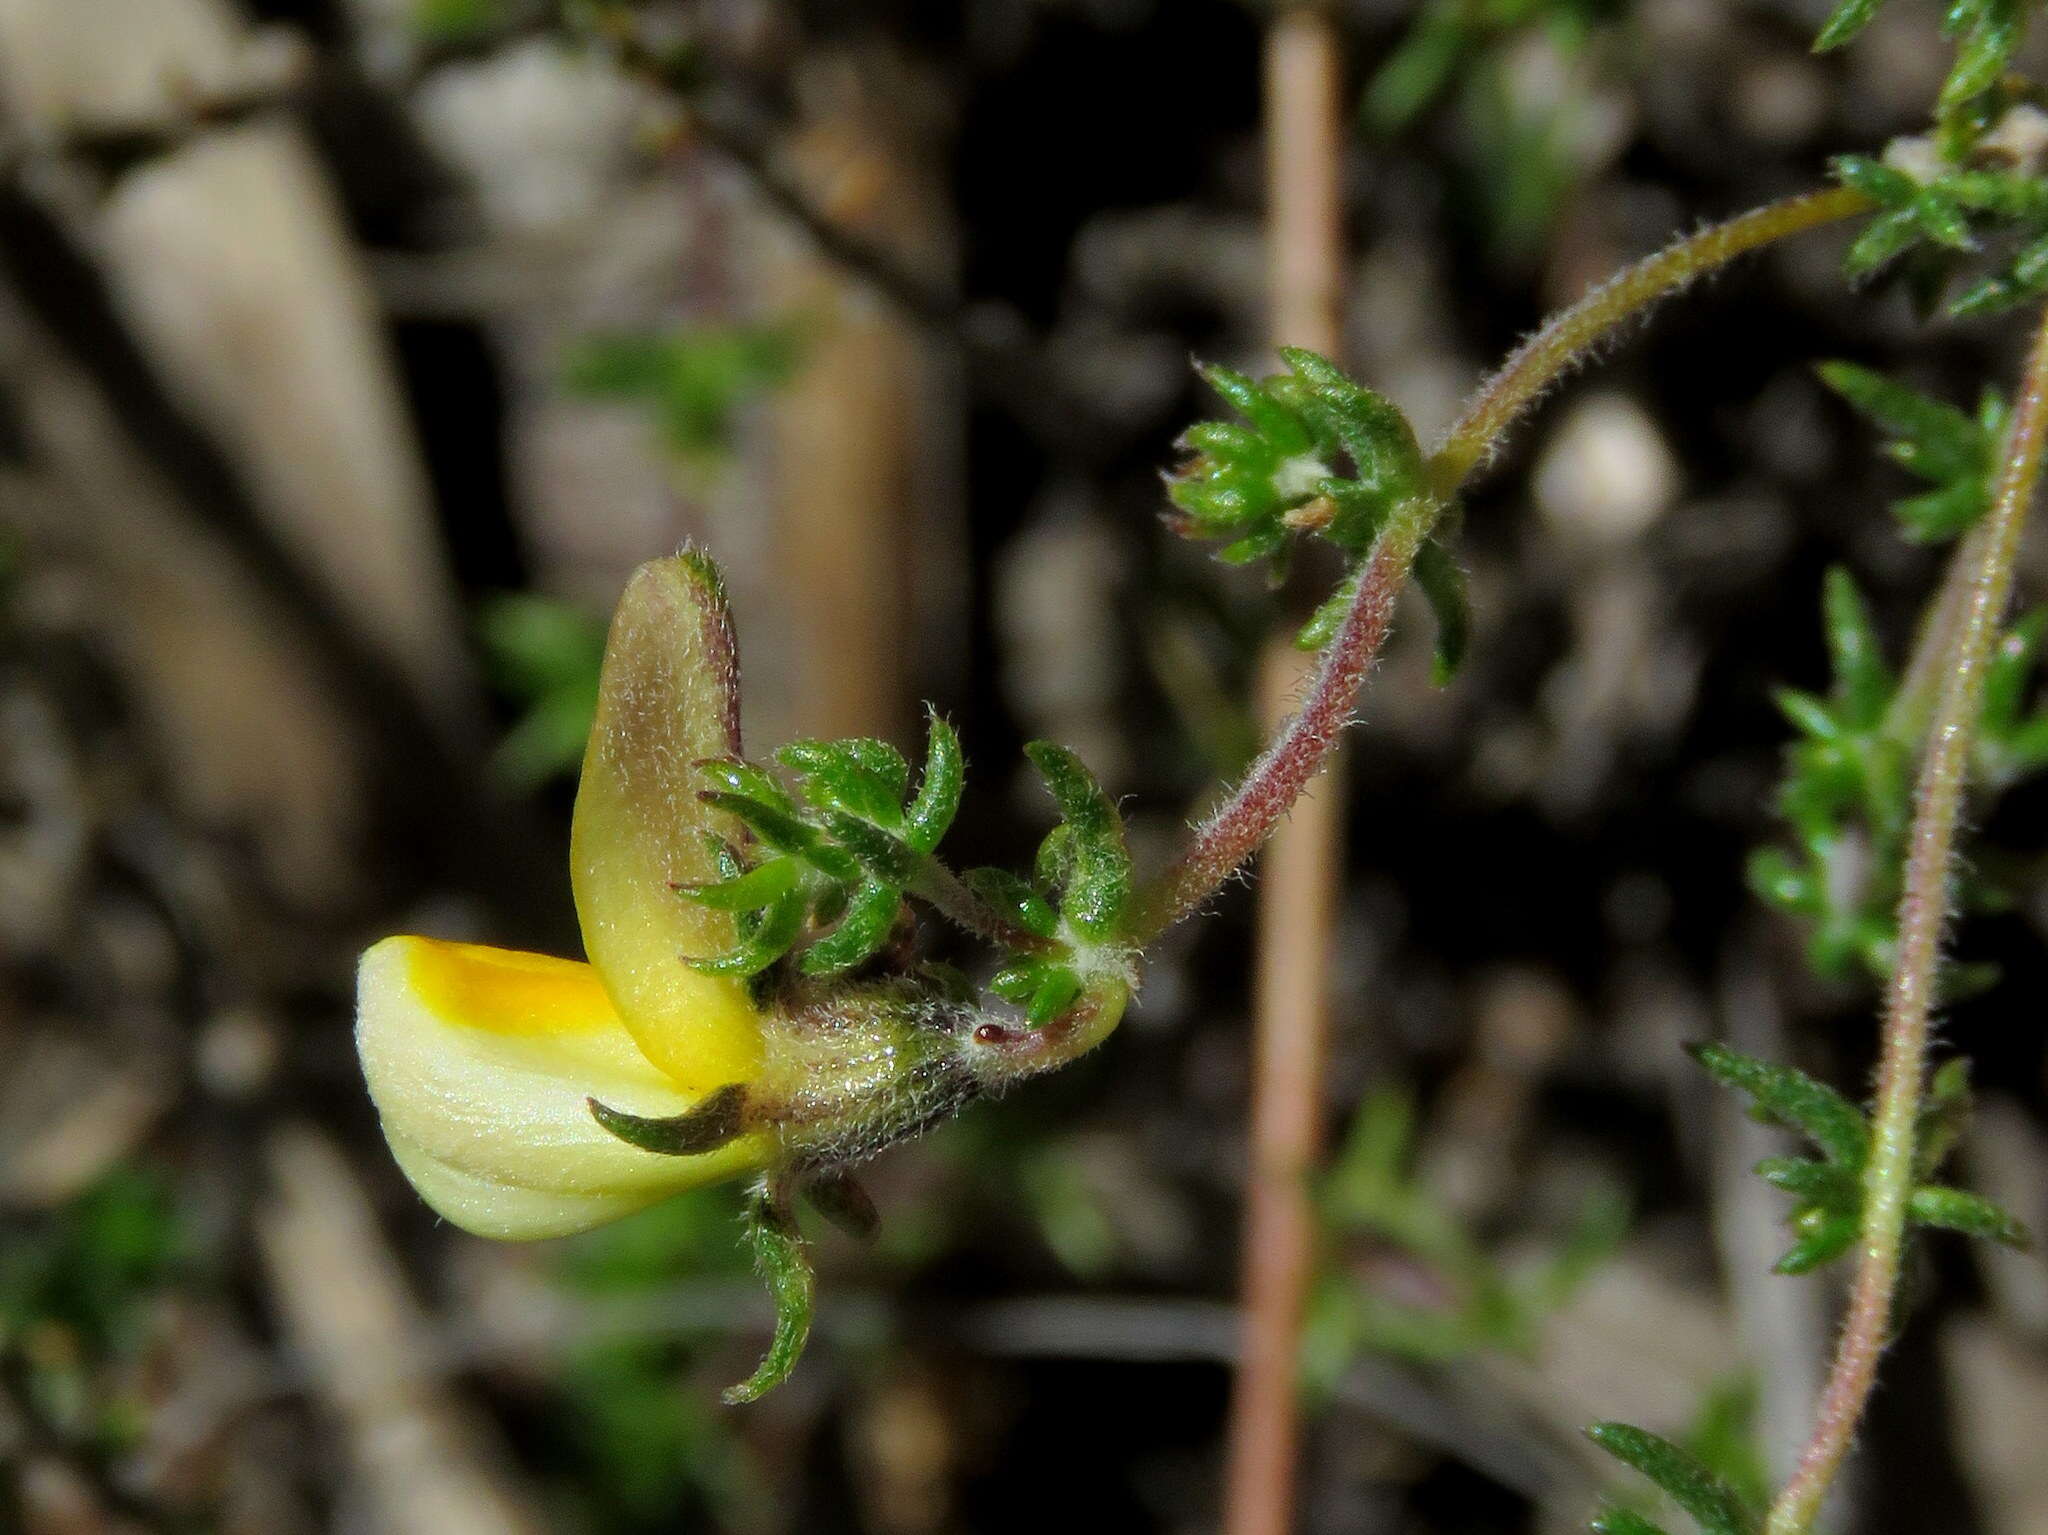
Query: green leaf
x=1863, y=681
x=869, y=918
x=1792, y=1098
x=1443, y=583
x=1331, y=612
x=1053, y=995
x=747, y=781
x=1710, y=1502
x=1099, y=887
x=1828, y=1184
x=772, y=937
x=1944, y=1115
x=1243, y=484
x=746, y=892
x=859, y=776
x=780, y=1260
x=881, y=854
x=691, y=380
x=1883, y=238
x=1986, y=50
x=930, y=815
x=2006, y=678
x=1014, y=898
x=1849, y=18
x=711, y=1124
x=786, y=833
x=1619, y=1521
x=1825, y=1238
x=1952, y=1209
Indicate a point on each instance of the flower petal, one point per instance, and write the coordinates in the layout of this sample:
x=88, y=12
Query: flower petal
x=667, y=698
x=482, y=1062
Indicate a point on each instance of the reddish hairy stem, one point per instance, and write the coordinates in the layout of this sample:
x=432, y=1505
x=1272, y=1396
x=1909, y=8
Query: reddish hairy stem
x=1923, y=918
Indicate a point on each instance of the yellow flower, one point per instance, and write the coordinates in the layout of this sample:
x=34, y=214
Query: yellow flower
x=483, y=1062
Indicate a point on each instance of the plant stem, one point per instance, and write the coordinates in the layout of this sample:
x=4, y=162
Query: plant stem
x=1923, y=918
x=1568, y=336
x=1297, y=898
x=1920, y=684
x=1237, y=828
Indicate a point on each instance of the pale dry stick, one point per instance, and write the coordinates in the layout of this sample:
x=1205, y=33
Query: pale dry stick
x=1236, y=829
x=1300, y=874
x=1923, y=918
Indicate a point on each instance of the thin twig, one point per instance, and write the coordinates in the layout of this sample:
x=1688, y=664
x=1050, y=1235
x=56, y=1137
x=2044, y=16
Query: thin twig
x=1237, y=828
x=1923, y=919
x=1568, y=336
x=1298, y=894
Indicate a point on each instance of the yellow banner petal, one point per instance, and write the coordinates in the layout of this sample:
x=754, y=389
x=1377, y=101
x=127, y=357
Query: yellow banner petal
x=482, y=1061
x=668, y=697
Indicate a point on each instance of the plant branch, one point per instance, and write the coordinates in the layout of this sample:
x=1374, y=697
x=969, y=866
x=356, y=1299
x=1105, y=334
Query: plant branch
x=1923, y=919
x=1235, y=830
x=1564, y=340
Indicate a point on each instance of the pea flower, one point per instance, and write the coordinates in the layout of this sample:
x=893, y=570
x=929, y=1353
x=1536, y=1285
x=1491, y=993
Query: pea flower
x=526, y=1096
x=484, y=1062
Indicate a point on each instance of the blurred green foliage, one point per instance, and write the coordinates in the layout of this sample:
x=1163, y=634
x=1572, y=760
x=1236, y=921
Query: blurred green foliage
x=454, y=21
x=1373, y=1204
x=89, y=1265
x=691, y=380
x=545, y=655
x=1521, y=135
x=643, y=1444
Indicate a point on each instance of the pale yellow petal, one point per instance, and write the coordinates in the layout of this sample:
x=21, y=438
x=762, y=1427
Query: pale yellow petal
x=667, y=699
x=481, y=1062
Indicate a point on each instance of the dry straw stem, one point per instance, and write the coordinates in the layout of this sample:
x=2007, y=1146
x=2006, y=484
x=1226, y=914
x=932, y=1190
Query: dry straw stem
x=1298, y=891
x=1923, y=919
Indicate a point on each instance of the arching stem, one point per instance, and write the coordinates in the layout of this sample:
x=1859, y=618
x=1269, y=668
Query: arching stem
x=1224, y=841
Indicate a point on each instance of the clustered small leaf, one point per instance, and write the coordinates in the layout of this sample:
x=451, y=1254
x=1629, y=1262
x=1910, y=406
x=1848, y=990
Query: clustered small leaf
x=1947, y=216
x=1829, y=1190
x=1987, y=32
x=1951, y=450
x=1711, y=1503
x=833, y=866
x=1847, y=791
x=1316, y=453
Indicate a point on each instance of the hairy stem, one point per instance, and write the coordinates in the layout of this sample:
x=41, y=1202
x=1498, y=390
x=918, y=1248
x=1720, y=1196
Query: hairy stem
x=1235, y=830
x=1923, y=918
x=1566, y=338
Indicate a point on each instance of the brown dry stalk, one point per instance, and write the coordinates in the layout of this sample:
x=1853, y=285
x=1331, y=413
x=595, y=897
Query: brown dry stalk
x=1300, y=870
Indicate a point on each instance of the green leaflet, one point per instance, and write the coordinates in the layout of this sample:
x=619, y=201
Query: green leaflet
x=1712, y=1504
x=1097, y=883
x=780, y=1260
